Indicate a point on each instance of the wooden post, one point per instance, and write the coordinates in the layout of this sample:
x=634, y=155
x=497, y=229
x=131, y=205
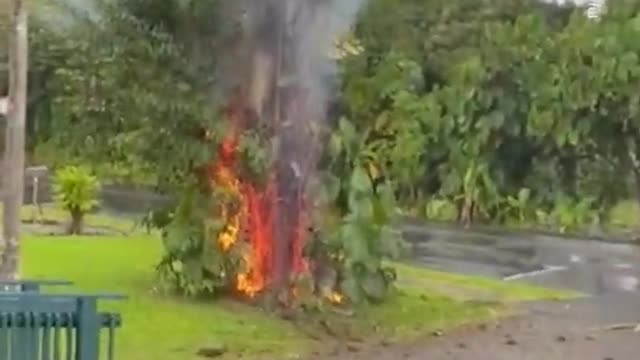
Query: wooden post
x=15, y=140
x=37, y=209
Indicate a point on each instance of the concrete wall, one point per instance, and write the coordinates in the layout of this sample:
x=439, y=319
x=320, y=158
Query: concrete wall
x=119, y=198
x=128, y=199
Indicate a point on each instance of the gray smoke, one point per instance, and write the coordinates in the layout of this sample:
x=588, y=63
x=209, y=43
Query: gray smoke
x=287, y=73
x=315, y=27
x=320, y=24
x=291, y=82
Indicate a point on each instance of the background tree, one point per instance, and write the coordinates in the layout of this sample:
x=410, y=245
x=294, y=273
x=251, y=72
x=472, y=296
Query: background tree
x=76, y=190
x=493, y=111
x=13, y=165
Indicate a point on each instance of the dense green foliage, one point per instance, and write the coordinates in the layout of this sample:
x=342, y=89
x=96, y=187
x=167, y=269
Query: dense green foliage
x=358, y=238
x=508, y=111
x=125, y=90
x=505, y=111
x=76, y=190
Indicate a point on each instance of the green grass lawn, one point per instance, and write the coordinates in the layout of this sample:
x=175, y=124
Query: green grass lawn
x=54, y=213
x=165, y=328
x=475, y=287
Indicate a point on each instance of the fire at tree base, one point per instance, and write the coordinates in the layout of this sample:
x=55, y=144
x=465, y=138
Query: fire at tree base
x=272, y=218
x=264, y=167
x=259, y=219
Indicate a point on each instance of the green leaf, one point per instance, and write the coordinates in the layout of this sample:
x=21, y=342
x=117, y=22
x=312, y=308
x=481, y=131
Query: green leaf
x=347, y=131
x=375, y=286
x=573, y=138
x=523, y=195
x=177, y=237
x=327, y=189
x=350, y=286
x=355, y=242
x=193, y=271
x=212, y=260
x=381, y=211
x=390, y=243
x=76, y=188
x=360, y=181
x=177, y=266
x=335, y=145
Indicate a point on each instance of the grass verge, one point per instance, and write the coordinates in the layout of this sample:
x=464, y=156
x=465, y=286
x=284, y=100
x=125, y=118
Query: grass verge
x=464, y=287
x=166, y=328
x=52, y=213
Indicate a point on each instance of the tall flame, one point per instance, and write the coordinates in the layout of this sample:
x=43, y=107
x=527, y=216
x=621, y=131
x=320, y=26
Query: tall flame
x=284, y=84
x=250, y=225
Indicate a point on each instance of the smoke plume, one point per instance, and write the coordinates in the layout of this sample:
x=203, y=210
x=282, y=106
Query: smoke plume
x=288, y=78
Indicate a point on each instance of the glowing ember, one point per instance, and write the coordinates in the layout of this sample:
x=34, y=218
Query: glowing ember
x=336, y=298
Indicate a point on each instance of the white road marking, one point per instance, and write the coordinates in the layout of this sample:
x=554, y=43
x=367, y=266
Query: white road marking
x=623, y=266
x=628, y=283
x=545, y=270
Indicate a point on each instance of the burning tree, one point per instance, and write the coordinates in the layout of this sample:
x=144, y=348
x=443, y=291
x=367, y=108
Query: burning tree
x=279, y=99
x=257, y=188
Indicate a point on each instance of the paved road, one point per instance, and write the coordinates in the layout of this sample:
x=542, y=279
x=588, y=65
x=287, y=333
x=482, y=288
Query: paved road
x=590, y=266
x=608, y=272
x=548, y=332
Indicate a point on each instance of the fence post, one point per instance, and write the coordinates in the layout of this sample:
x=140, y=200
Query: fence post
x=30, y=287
x=87, y=333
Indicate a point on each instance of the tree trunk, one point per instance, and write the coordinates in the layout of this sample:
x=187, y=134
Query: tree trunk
x=283, y=207
x=630, y=158
x=466, y=212
x=15, y=140
x=76, y=227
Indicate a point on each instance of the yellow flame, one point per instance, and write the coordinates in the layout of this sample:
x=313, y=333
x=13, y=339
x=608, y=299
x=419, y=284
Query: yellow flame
x=336, y=298
x=229, y=235
x=245, y=285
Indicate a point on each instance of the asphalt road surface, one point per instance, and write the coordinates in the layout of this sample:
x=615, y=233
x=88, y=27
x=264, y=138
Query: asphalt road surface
x=600, y=326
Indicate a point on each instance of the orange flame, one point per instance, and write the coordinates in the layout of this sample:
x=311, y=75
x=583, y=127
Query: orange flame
x=253, y=218
x=249, y=215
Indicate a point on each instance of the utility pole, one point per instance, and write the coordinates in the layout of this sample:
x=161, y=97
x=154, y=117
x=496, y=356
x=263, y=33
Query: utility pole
x=15, y=140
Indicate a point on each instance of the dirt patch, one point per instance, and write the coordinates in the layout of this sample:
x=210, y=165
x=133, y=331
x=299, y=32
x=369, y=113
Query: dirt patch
x=54, y=228
x=555, y=331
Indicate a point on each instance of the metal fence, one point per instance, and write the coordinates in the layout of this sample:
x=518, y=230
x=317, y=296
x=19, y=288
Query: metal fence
x=39, y=326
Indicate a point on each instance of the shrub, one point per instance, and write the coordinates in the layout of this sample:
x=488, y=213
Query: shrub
x=625, y=215
x=76, y=190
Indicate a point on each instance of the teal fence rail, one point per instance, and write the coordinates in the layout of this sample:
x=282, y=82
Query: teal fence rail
x=30, y=285
x=40, y=326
